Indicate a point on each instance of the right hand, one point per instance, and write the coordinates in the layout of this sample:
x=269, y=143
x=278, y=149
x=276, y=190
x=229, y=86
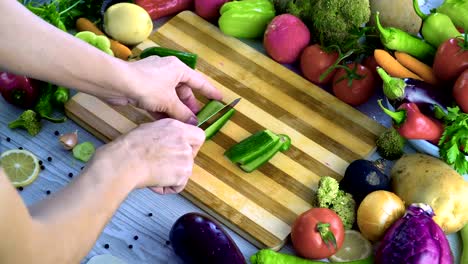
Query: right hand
x=159, y=155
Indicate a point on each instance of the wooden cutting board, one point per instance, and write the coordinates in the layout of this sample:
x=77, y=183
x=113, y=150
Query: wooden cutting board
x=261, y=206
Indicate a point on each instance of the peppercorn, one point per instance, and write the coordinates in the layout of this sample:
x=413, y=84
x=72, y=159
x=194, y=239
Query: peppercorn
x=49, y=159
x=135, y=237
x=70, y=175
x=106, y=246
x=130, y=246
x=150, y=214
x=8, y=139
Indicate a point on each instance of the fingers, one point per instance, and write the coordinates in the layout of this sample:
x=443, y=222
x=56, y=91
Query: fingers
x=197, y=81
x=181, y=112
x=186, y=96
x=195, y=137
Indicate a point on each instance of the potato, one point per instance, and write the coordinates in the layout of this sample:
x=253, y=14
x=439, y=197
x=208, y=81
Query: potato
x=396, y=13
x=420, y=178
x=127, y=23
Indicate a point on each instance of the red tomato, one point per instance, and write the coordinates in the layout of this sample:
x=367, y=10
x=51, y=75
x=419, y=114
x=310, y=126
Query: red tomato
x=372, y=65
x=306, y=239
x=354, y=86
x=451, y=59
x=460, y=91
x=315, y=61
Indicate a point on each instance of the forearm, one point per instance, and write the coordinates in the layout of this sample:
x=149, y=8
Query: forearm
x=33, y=47
x=72, y=219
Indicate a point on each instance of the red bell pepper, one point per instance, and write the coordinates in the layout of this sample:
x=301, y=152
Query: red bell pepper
x=161, y=8
x=412, y=124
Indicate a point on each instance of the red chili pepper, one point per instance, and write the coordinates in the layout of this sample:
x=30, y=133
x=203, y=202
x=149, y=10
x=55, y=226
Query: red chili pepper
x=160, y=8
x=412, y=124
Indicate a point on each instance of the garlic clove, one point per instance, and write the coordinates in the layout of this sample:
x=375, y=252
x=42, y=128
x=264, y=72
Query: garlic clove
x=69, y=140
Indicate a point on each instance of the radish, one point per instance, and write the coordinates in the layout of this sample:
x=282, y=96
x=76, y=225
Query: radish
x=285, y=38
x=209, y=9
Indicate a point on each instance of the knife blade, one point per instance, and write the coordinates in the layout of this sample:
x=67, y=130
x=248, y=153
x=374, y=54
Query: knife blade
x=216, y=115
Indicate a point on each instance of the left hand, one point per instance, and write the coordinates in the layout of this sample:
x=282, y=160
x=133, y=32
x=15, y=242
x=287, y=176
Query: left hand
x=164, y=87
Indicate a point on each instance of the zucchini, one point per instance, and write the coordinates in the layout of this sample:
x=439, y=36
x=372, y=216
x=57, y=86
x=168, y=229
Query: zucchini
x=190, y=59
x=257, y=149
x=251, y=147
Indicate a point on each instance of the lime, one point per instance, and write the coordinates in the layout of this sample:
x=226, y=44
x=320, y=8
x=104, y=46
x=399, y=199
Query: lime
x=21, y=166
x=355, y=247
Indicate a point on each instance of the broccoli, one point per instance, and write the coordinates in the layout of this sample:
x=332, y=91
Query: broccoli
x=28, y=120
x=330, y=196
x=331, y=22
x=390, y=144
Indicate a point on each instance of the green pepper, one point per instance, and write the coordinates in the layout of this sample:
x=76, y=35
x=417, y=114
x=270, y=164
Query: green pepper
x=456, y=10
x=437, y=27
x=98, y=41
x=44, y=106
x=246, y=18
x=212, y=107
x=190, y=59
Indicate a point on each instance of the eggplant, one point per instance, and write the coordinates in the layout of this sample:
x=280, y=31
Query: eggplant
x=408, y=90
x=197, y=238
x=19, y=90
x=363, y=177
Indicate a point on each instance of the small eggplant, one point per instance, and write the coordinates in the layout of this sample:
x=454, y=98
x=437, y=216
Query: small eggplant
x=19, y=90
x=408, y=90
x=197, y=238
x=363, y=177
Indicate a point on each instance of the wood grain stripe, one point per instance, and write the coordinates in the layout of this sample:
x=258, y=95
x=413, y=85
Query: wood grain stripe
x=273, y=79
x=295, y=119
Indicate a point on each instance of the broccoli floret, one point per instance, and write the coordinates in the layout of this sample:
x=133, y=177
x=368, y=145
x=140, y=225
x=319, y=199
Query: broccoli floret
x=330, y=196
x=28, y=120
x=390, y=144
x=332, y=21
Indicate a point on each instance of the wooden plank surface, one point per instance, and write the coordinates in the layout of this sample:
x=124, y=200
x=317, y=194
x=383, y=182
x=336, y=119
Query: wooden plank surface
x=261, y=206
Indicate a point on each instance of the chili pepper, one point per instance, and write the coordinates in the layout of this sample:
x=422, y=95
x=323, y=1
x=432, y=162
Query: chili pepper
x=412, y=124
x=161, y=8
x=397, y=39
x=18, y=90
x=44, y=106
x=190, y=59
x=247, y=18
x=437, y=27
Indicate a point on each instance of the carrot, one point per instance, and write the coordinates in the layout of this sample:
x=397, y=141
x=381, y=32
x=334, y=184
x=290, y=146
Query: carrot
x=120, y=51
x=416, y=66
x=392, y=66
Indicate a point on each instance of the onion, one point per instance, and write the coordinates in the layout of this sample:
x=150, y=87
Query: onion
x=377, y=212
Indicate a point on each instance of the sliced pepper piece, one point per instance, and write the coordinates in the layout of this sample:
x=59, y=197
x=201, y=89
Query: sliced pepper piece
x=283, y=143
x=218, y=124
x=212, y=107
x=252, y=147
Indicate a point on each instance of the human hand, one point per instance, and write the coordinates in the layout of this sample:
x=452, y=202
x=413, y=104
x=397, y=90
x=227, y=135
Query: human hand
x=159, y=155
x=164, y=87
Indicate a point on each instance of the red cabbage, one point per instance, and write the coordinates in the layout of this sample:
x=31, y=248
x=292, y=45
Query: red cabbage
x=415, y=239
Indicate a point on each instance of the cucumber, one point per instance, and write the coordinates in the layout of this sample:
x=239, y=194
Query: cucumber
x=190, y=59
x=282, y=144
x=252, y=147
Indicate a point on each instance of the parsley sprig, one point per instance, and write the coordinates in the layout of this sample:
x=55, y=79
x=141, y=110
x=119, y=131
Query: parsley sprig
x=454, y=140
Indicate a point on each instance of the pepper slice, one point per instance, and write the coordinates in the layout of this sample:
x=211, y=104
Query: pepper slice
x=208, y=110
x=190, y=59
x=283, y=144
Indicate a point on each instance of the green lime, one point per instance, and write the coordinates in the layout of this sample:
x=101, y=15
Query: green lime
x=355, y=247
x=21, y=166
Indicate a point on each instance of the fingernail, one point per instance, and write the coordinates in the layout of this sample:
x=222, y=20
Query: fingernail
x=193, y=120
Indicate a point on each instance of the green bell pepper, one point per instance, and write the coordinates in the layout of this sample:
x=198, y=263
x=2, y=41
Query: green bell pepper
x=100, y=42
x=246, y=18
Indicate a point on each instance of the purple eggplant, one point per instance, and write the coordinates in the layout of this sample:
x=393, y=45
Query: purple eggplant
x=19, y=90
x=197, y=238
x=408, y=90
x=415, y=239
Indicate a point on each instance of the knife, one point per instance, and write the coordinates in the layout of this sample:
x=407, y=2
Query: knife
x=216, y=115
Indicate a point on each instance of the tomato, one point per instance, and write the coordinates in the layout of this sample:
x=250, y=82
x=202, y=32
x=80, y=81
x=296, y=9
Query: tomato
x=451, y=59
x=372, y=65
x=355, y=85
x=314, y=61
x=306, y=239
x=460, y=91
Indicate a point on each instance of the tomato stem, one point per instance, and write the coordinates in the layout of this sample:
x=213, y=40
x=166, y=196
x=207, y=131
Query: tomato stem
x=326, y=234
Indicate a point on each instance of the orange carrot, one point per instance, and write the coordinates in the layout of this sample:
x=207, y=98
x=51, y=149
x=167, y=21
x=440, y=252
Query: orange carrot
x=120, y=51
x=416, y=66
x=392, y=66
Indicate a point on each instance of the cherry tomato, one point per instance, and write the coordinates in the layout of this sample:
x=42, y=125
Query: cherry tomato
x=451, y=59
x=308, y=242
x=460, y=91
x=314, y=61
x=355, y=85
